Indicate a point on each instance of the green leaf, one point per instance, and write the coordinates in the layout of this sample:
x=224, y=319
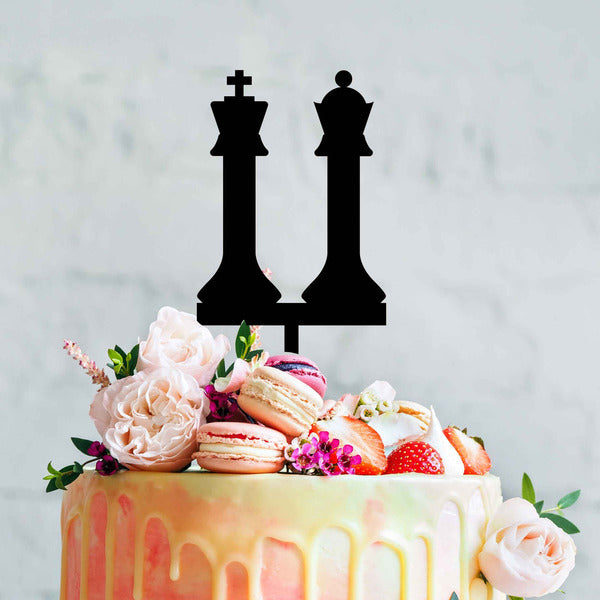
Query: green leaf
x=132, y=366
x=58, y=482
x=77, y=468
x=527, y=490
x=569, y=499
x=48, y=477
x=121, y=352
x=253, y=353
x=81, y=444
x=561, y=522
x=221, y=368
x=538, y=506
x=115, y=356
x=515, y=598
x=51, y=487
x=51, y=469
x=454, y=596
x=240, y=339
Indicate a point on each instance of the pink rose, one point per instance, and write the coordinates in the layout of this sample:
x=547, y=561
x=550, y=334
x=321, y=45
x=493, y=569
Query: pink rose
x=149, y=421
x=525, y=555
x=177, y=340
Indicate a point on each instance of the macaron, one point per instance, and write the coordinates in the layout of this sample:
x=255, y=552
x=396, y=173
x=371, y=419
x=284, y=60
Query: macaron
x=228, y=447
x=280, y=400
x=301, y=368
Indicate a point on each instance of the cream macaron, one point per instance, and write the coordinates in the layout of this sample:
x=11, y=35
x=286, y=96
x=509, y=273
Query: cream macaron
x=231, y=447
x=280, y=400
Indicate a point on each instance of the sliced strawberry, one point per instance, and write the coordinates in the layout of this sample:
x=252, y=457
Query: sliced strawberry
x=472, y=453
x=363, y=438
x=415, y=457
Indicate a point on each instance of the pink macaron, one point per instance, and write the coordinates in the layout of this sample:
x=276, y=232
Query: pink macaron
x=279, y=400
x=229, y=447
x=301, y=368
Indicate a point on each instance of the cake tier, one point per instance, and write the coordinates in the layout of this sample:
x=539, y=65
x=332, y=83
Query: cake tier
x=205, y=536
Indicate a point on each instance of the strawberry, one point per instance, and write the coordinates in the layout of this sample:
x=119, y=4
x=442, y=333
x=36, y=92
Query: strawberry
x=471, y=451
x=415, y=457
x=363, y=438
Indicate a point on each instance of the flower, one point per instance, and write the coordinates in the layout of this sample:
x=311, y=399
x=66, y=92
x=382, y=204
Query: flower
x=303, y=457
x=97, y=449
x=177, y=340
x=319, y=455
x=149, y=420
x=107, y=465
x=222, y=406
x=98, y=376
x=525, y=555
x=347, y=460
x=324, y=445
x=233, y=382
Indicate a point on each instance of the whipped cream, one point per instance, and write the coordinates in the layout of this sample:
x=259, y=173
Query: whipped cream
x=434, y=436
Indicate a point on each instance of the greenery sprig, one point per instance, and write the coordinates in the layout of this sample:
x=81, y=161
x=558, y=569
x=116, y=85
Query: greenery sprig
x=105, y=465
x=123, y=363
x=245, y=339
x=554, y=514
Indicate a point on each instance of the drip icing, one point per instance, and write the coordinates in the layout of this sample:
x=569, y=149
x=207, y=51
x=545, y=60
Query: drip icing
x=229, y=517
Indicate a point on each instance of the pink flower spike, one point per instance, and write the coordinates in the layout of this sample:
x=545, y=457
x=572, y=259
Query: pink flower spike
x=98, y=376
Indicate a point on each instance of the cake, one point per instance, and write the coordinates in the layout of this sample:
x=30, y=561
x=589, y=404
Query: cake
x=375, y=500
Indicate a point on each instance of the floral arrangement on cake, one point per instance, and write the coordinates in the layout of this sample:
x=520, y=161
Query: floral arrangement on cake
x=174, y=400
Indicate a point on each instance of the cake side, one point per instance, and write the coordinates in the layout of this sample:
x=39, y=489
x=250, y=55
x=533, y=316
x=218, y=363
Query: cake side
x=223, y=537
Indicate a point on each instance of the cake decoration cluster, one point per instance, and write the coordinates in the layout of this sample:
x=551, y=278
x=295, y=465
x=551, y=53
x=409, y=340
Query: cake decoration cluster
x=174, y=400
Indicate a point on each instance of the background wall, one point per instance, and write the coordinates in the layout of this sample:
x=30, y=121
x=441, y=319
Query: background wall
x=481, y=217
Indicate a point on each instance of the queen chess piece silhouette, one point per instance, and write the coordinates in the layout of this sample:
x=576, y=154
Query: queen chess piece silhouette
x=343, y=113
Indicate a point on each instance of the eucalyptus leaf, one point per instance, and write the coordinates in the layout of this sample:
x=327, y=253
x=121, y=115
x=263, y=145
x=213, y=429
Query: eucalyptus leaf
x=81, y=444
x=528, y=491
x=561, y=522
x=569, y=499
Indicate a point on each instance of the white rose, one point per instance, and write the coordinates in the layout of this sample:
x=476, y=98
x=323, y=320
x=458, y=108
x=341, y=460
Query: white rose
x=525, y=555
x=149, y=421
x=177, y=340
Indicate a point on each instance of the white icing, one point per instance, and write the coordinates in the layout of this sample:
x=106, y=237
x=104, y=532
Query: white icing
x=434, y=436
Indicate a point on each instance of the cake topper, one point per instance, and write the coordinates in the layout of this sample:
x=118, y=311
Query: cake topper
x=343, y=293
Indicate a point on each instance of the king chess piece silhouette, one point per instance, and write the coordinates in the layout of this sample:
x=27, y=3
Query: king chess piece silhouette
x=343, y=113
x=239, y=118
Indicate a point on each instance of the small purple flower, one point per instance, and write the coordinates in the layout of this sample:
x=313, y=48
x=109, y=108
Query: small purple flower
x=347, y=461
x=303, y=458
x=97, y=449
x=324, y=445
x=328, y=464
x=107, y=465
x=222, y=406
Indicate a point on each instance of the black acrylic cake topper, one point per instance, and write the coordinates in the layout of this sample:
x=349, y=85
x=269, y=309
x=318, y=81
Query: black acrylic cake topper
x=343, y=293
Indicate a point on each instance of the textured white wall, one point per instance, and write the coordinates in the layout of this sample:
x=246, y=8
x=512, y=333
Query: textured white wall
x=481, y=217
